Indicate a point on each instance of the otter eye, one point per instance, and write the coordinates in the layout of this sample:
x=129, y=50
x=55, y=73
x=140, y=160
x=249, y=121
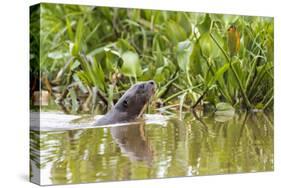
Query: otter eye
x=125, y=103
x=142, y=86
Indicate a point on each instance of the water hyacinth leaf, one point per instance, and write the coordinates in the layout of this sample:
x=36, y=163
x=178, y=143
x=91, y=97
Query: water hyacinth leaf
x=208, y=47
x=224, y=109
x=110, y=62
x=184, y=50
x=229, y=19
x=175, y=32
x=259, y=106
x=131, y=65
x=205, y=25
x=135, y=14
x=165, y=71
x=197, y=18
x=124, y=46
x=224, y=106
x=219, y=74
x=216, y=17
x=186, y=25
x=157, y=37
x=159, y=76
x=195, y=63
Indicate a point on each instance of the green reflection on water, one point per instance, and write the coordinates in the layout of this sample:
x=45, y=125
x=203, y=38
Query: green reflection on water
x=191, y=147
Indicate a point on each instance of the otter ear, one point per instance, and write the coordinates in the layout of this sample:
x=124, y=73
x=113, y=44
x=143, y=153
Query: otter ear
x=125, y=103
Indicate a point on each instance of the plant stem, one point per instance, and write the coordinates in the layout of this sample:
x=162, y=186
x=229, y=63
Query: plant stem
x=179, y=93
x=200, y=98
x=175, y=95
x=222, y=50
x=248, y=104
x=268, y=103
x=224, y=93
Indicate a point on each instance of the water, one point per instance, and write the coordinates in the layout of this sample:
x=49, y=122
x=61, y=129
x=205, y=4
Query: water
x=155, y=149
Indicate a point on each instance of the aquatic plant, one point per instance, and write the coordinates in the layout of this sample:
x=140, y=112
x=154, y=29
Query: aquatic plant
x=93, y=54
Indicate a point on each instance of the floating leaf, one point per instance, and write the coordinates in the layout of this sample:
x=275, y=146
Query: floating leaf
x=224, y=109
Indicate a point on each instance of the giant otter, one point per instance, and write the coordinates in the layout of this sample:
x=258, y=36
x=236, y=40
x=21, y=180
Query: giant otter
x=130, y=105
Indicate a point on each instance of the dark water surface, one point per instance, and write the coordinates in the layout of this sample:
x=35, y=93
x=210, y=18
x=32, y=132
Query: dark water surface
x=191, y=147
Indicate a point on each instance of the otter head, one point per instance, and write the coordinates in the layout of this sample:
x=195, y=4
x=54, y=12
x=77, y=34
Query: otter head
x=135, y=98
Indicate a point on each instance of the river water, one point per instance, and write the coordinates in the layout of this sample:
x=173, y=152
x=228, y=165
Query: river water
x=156, y=148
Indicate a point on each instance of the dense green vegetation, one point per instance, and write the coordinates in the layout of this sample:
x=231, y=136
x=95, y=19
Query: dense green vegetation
x=90, y=55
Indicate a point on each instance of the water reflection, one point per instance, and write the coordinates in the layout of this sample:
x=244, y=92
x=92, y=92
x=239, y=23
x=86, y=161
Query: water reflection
x=198, y=145
x=133, y=142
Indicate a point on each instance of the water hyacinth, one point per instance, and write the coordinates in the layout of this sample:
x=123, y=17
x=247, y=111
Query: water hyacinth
x=210, y=58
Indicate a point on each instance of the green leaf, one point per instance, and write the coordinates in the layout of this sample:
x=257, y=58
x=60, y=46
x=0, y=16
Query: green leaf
x=124, y=46
x=92, y=73
x=195, y=67
x=98, y=74
x=208, y=47
x=175, y=32
x=57, y=55
x=184, y=51
x=131, y=65
x=74, y=102
x=163, y=72
x=219, y=74
x=205, y=26
x=216, y=17
x=186, y=25
x=196, y=18
x=78, y=38
x=224, y=109
x=229, y=19
x=69, y=28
